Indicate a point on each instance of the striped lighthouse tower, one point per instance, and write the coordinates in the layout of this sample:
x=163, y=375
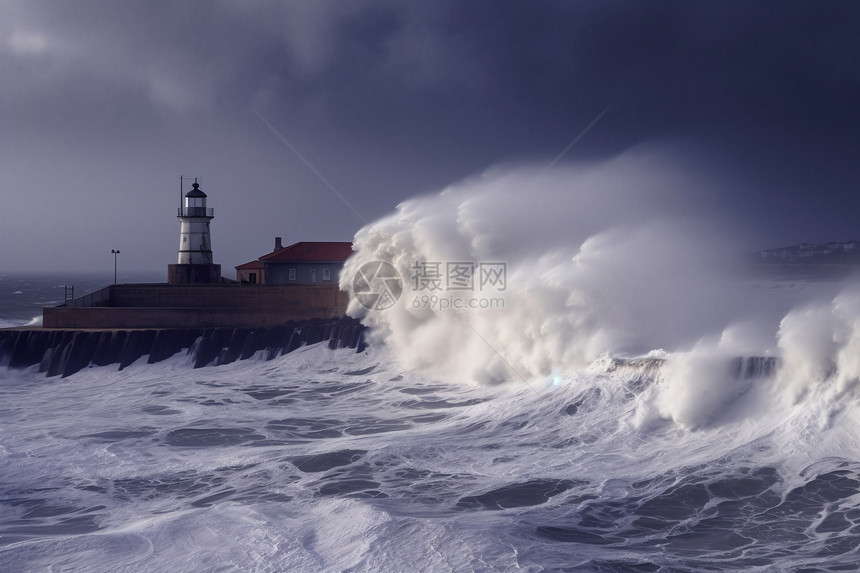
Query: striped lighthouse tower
x=194, y=263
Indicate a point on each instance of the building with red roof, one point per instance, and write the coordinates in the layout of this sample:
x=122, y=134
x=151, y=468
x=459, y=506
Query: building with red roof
x=302, y=263
x=252, y=273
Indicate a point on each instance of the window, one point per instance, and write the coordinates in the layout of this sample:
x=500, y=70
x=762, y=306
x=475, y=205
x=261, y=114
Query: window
x=253, y=277
x=293, y=274
x=313, y=275
x=326, y=274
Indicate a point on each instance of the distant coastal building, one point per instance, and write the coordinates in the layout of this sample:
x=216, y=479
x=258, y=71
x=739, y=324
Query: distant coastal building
x=814, y=253
x=194, y=263
x=302, y=263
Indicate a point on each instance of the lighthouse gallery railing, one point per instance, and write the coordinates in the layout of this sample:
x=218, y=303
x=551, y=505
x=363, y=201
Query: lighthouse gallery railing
x=195, y=212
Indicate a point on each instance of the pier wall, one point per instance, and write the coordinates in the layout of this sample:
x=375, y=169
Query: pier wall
x=198, y=306
x=62, y=352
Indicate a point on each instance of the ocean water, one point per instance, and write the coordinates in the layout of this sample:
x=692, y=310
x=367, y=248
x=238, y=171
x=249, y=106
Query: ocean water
x=326, y=460
x=629, y=402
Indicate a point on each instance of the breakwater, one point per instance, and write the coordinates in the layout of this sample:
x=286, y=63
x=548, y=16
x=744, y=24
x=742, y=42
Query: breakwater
x=64, y=352
x=156, y=306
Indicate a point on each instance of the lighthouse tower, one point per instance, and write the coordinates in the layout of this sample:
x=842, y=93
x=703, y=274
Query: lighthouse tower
x=194, y=264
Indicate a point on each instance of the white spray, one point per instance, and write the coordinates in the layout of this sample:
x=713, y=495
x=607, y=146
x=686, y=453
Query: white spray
x=610, y=257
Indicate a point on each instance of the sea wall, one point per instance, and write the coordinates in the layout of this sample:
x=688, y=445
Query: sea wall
x=62, y=352
x=137, y=306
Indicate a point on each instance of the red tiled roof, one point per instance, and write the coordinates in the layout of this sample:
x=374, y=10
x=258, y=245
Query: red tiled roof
x=249, y=266
x=311, y=251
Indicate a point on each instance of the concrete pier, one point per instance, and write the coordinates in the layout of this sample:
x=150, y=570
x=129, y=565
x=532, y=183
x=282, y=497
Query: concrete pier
x=63, y=352
x=144, y=306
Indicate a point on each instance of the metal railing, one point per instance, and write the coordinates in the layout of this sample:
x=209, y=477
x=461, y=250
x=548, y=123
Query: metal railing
x=96, y=298
x=195, y=212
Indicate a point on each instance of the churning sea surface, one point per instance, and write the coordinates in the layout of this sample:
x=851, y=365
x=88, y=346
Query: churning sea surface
x=332, y=460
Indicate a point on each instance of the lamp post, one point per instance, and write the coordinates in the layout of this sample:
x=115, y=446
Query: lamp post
x=114, y=252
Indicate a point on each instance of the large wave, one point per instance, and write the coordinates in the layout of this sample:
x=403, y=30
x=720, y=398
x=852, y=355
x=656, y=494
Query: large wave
x=620, y=258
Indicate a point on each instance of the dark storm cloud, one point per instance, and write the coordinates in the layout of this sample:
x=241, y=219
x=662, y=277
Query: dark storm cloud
x=352, y=62
x=389, y=99
x=668, y=66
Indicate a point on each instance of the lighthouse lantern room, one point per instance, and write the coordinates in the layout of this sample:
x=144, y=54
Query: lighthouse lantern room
x=194, y=263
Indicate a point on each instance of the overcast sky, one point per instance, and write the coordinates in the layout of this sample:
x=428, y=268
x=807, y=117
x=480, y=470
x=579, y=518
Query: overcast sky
x=103, y=105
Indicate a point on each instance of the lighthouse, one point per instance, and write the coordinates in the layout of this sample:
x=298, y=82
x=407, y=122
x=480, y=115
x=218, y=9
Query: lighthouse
x=194, y=263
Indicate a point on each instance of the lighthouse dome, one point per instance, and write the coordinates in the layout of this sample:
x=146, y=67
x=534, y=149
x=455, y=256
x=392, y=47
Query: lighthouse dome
x=195, y=191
